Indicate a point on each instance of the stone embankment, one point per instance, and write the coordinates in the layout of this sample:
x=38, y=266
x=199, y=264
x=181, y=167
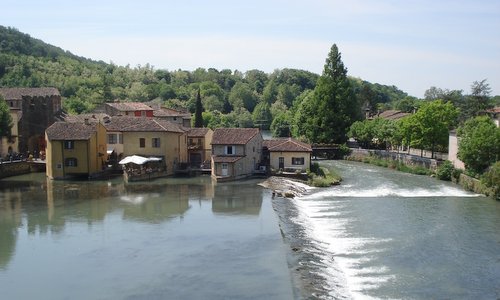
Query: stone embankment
x=284, y=187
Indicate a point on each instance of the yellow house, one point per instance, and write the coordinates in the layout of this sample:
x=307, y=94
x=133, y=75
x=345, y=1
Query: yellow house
x=199, y=146
x=151, y=137
x=287, y=154
x=75, y=149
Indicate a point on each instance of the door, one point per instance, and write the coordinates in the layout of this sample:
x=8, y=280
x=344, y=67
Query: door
x=281, y=163
x=224, y=170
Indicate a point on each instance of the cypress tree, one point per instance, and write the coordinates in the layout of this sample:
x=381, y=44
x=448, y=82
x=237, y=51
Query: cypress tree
x=198, y=118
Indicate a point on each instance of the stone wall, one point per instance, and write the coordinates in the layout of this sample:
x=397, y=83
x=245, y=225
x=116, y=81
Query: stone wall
x=8, y=169
x=411, y=160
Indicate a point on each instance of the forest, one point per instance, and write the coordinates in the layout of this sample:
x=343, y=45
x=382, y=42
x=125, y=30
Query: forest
x=229, y=97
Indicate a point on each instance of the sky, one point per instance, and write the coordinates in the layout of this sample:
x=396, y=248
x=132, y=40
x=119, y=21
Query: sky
x=412, y=44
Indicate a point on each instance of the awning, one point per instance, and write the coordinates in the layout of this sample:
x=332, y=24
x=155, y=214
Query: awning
x=138, y=160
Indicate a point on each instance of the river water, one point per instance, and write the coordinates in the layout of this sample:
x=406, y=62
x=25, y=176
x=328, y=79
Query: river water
x=385, y=234
x=381, y=234
x=174, y=238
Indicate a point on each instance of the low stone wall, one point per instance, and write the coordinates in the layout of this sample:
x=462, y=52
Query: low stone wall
x=8, y=169
x=410, y=160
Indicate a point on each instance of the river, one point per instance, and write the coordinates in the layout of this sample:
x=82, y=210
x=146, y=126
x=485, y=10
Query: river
x=389, y=235
x=381, y=234
x=173, y=238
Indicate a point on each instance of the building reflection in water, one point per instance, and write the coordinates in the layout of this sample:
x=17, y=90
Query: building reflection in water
x=44, y=206
x=237, y=198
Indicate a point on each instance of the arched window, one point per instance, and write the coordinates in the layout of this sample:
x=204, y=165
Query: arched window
x=71, y=162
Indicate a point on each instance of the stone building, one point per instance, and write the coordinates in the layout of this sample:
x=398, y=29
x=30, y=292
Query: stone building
x=33, y=110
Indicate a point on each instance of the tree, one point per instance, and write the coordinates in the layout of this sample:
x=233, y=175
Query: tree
x=242, y=96
x=478, y=100
x=262, y=115
x=280, y=127
x=334, y=107
x=198, y=117
x=433, y=122
x=5, y=118
x=479, y=143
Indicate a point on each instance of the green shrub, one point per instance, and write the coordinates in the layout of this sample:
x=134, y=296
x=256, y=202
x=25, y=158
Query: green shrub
x=491, y=179
x=445, y=170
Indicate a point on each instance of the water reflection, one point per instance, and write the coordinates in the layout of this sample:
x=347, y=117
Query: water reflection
x=44, y=206
x=231, y=198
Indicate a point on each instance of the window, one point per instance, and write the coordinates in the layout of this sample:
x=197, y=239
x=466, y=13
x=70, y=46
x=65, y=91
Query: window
x=297, y=160
x=142, y=143
x=69, y=144
x=120, y=138
x=71, y=162
x=112, y=138
x=155, y=142
x=230, y=150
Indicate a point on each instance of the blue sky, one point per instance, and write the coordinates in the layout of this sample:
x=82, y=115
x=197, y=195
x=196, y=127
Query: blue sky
x=410, y=44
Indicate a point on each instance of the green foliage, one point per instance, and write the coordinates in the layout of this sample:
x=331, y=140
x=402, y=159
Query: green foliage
x=198, y=117
x=261, y=115
x=5, y=118
x=281, y=125
x=492, y=179
x=333, y=108
x=322, y=177
x=445, y=171
x=479, y=144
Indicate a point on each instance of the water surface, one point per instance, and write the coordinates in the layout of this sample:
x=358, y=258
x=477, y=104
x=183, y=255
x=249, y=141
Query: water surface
x=184, y=238
x=385, y=234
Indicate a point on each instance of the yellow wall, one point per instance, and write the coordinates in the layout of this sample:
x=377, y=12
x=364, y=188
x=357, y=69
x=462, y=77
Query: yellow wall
x=90, y=155
x=274, y=157
x=14, y=131
x=173, y=146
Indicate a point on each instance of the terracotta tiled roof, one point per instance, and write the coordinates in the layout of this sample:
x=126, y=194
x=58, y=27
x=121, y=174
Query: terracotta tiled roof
x=392, y=114
x=141, y=124
x=286, y=145
x=226, y=159
x=197, y=132
x=71, y=131
x=233, y=136
x=93, y=118
x=129, y=106
x=18, y=93
x=169, y=112
x=494, y=110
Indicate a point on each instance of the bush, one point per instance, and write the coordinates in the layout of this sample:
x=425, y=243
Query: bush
x=491, y=179
x=445, y=171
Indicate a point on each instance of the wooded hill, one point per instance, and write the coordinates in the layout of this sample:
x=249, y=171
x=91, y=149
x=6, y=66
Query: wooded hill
x=229, y=97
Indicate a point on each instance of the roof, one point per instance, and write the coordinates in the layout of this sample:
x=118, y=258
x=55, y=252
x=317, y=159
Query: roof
x=93, y=117
x=197, y=132
x=169, y=112
x=71, y=131
x=141, y=124
x=18, y=93
x=286, y=145
x=233, y=136
x=226, y=159
x=494, y=110
x=392, y=115
x=129, y=106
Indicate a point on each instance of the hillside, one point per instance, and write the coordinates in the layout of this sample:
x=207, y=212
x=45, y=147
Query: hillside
x=84, y=83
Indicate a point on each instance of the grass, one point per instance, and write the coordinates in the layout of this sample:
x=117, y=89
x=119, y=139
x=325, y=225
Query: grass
x=323, y=177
